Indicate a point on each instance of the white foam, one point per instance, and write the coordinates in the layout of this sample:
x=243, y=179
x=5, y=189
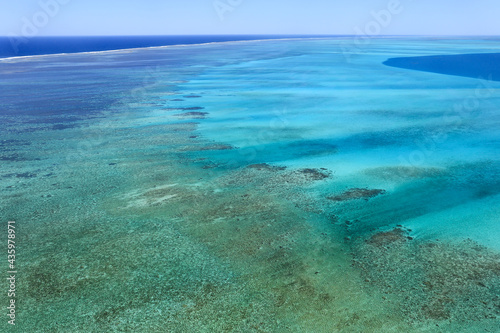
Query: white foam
x=129, y=50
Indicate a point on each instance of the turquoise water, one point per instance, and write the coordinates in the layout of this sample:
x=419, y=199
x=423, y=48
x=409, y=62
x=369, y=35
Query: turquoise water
x=257, y=186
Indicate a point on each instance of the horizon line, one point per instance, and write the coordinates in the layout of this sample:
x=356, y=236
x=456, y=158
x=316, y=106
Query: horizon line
x=256, y=34
x=284, y=37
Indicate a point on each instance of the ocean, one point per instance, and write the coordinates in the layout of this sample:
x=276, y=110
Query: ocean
x=281, y=185
x=27, y=46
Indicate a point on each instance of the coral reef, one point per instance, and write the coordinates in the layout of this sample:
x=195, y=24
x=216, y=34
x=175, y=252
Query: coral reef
x=432, y=280
x=315, y=174
x=192, y=115
x=266, y=167
x=357, y=193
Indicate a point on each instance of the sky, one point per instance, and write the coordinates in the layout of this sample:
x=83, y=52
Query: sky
x=178, y=17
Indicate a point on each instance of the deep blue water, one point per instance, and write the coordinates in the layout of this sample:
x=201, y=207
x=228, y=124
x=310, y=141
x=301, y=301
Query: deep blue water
x=14, y=47
x=482, y=65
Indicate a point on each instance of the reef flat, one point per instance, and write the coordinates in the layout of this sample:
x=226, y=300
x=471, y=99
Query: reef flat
x=197, y=200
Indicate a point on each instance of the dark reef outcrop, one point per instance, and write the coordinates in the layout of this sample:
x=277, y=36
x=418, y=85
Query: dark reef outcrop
x=357, y=193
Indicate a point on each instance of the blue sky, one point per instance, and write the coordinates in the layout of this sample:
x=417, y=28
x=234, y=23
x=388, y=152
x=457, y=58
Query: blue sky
x=163, y=17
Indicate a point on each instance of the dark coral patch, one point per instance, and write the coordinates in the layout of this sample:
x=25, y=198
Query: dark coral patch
x=266, y=167
x=213, y=146
x=193, y=115
x=16, y=158
x=217, y=147
x=21, y=175
x=357, y=193
x=194, y=108
x=315, y=174
x=63, y=126
x=383, y=239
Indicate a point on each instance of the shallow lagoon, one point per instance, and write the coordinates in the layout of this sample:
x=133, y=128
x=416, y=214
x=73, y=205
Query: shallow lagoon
x=269, y=186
